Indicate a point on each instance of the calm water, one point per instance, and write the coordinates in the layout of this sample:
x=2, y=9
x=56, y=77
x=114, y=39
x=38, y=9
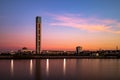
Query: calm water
x=60, y=69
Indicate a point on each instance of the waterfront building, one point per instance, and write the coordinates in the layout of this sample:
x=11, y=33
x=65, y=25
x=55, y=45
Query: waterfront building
x=38, y=35
x=78, y=49
x=24, y=50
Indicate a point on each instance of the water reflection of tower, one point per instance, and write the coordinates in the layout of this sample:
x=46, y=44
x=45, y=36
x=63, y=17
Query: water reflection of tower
x=38, y=35
x=37, y=70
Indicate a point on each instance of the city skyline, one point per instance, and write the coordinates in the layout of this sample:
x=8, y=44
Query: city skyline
x=91, y=24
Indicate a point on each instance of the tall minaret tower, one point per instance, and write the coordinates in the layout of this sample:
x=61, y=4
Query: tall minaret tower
x=38, y=35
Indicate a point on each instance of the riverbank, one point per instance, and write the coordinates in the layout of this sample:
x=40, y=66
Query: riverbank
x=58, y=57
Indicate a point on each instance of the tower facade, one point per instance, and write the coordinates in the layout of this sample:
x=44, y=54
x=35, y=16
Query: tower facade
x=38, y=35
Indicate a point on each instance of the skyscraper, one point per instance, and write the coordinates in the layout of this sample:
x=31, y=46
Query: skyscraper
x=38, y=35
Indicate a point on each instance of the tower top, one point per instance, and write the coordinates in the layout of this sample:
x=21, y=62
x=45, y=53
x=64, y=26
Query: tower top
x=38, y=19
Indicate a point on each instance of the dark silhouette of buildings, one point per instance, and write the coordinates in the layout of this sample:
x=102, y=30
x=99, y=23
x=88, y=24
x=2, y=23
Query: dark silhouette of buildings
x=78, y=49
x=38, y=35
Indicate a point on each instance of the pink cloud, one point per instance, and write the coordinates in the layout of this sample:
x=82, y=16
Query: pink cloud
x=88, y=24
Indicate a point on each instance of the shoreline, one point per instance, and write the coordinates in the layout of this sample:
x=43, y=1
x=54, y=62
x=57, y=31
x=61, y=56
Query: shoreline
x=59, y=57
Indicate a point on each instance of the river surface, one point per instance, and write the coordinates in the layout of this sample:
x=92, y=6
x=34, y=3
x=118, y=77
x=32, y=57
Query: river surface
x=60, y=69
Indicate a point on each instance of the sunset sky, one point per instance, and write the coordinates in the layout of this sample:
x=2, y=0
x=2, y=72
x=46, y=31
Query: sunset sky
x=92, y=24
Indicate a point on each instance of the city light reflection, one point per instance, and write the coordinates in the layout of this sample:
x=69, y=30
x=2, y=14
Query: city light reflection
x=31, y=67
x=12, y=67
x=64, y=66
x=47, y=67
